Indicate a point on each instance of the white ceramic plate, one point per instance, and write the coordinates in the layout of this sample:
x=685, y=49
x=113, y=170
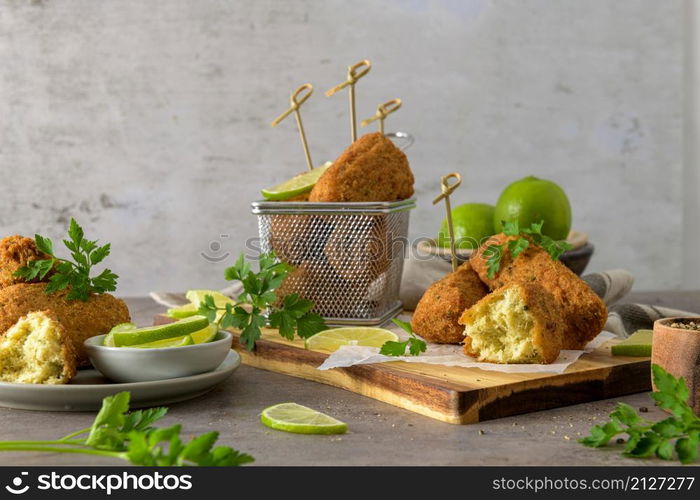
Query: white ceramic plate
x=87, y=389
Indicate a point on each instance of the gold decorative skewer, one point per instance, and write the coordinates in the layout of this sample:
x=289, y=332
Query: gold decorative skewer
x=355, y=72
x=383, y=110
x=447, y=190
x=298, y=97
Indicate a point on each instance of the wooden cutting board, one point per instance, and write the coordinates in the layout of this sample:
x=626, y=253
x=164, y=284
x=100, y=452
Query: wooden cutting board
x=453, y=394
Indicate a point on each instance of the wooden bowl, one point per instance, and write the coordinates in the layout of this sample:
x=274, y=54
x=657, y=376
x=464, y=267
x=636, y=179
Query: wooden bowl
x=576, y=259
x=677, y=351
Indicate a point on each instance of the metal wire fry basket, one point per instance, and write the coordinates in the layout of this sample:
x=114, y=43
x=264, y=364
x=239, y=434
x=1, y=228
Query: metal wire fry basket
x=347, y=257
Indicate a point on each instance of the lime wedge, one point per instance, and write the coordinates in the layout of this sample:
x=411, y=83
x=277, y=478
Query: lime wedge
x=159, y=332
x=296, y=185
x=121, y=327
x=196, y=297
x=291, y=417
x=124, y=327
x=331, y=340
x=183, y=311
x=637, y=344
x=206, y=334
x=176, y=342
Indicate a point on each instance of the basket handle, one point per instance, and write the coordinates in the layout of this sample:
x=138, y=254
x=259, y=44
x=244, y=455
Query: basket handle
x=401, y=137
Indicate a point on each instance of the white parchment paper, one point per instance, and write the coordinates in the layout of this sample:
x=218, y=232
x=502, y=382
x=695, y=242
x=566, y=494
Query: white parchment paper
x=452, y=355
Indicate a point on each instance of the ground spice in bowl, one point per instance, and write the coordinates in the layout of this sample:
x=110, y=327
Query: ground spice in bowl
x=686, y=325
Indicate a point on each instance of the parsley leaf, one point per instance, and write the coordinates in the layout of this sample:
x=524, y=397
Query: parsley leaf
x=518, y=246
x=290, y=315
x=511, y=228
x=493, y=255
x=393, y=348
x=116, y=433
x=533, y=234
x=76, y=274
x=654, y=438
x=415, y=345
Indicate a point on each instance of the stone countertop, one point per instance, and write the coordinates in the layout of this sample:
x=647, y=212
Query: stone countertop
x=379, y=434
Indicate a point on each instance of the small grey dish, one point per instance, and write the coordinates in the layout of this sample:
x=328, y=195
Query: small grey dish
x=134, y=364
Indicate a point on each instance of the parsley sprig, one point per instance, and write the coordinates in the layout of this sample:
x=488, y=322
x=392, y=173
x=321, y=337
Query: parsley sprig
x=290, y=315
x=680, y=432
x=526, y=236
x=414, y=344
x=76, y=275
x=130, y=436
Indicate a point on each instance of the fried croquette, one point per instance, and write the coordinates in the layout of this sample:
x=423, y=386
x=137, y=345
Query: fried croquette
x=519, y=323
x=37, y=350
x=285, y=240
x=313, y=280
x=15, y=252
x=360, y=253
x=81, y=320
x=296, y=239
x=370, y=169
x=584, y=312
x=437, y=314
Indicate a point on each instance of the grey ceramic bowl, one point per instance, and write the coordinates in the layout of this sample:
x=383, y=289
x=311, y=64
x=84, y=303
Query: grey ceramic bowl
x=133, y=364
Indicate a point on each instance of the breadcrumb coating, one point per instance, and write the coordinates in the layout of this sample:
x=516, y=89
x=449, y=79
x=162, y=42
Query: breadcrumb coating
x=15, y=252
x=81, y=320
x=437, y=314
x=370, y=169
x=584, y=313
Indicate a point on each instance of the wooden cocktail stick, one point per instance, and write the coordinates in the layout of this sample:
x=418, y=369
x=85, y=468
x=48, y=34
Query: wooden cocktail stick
x=447, y=190
x=383, y=110
x=298, y=97
x=355, y=72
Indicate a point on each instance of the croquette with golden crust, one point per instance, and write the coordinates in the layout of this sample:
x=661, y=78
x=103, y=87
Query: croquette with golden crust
x=361, y=253
x=584, y=312
x=370, y=169
x=80, y=319
x=15, y=252
x=439, y=309
x=518, y=323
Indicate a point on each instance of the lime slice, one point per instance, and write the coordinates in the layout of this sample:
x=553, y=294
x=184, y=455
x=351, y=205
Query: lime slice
x=291, y=417
x=296, y=185
x=331, y=340
x=176, y=342
x=159, y=332
x=183, y=311
x=637, y=344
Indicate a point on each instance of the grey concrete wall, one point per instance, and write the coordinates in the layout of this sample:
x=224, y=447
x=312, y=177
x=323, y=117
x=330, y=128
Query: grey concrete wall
x=148, y=121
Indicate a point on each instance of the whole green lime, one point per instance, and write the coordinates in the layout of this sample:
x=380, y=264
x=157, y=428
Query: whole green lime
x=472, y=223
x=533, y=200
